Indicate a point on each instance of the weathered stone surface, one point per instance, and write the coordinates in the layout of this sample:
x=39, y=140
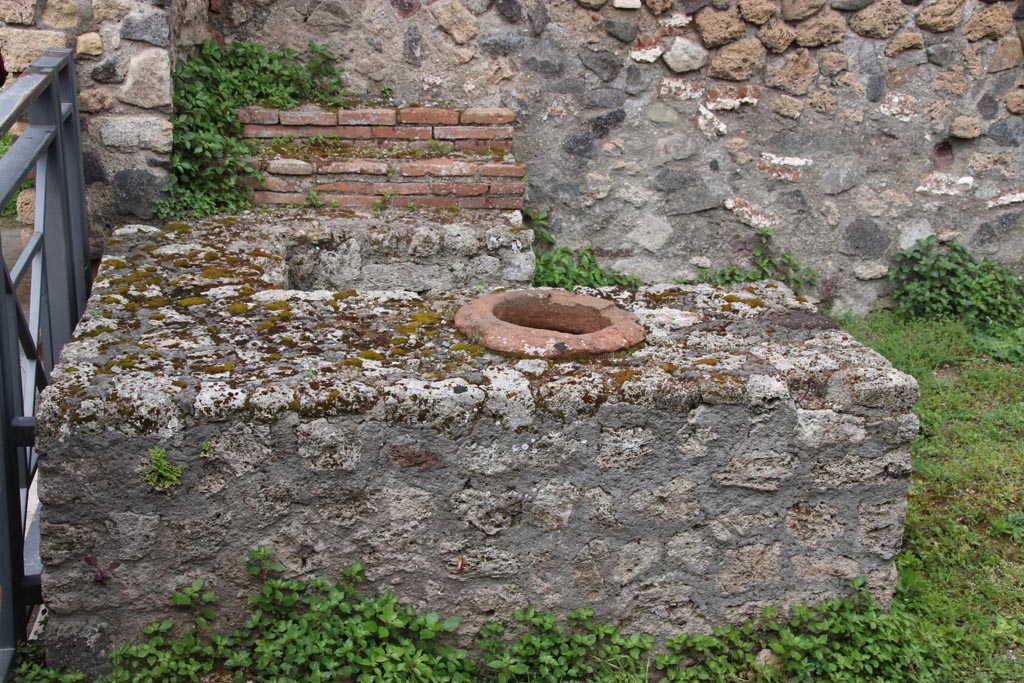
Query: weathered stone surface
x=17, y=12
x=833, y=63
x=544, y=58
x=879, y=20
x=605, y=64
x=89, y=45
x=673, y=501
x=849, y=5
x=738, y=61
x=588, y=569
x=757, y=11
x=1008, y=55
x=502, y=42
x=25, y=207
x=1007, y=132
x=758, y=470
x=455, y=20
x=814, y=525
x=796, y=10
x=149, y=27
x=21, y=47
x=658, y=6
x=777, y=35
x=718, y=28
x=132, y=133
x=748, y=566
x=844, y=173
x=941, y=16
x=61, y=14
x=412, y=45
x=826, y=28
x=864, y=237
x=148, y=83
x=993, y=21
x=881, y=527
x=910, y=40
x=796, y=75
x=685, y=55
x=786, y=106
x=592, y=4
x=1015, y=101
x=965, y=127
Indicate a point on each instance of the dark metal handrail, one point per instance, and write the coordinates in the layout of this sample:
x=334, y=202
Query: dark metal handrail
x=56, y=259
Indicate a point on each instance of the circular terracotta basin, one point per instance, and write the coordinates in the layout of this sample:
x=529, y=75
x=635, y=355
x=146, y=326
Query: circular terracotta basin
x=548, y=323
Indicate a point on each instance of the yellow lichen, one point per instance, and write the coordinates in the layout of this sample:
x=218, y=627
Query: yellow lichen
x=193, y=301
x=347, y=294
x=370, y=355
x=238, y=308
x=426, y=317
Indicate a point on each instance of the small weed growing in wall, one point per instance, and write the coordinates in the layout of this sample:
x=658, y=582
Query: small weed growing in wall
x=387, y=91
x=565, y=267
x=768, y=264
x=208, y=159
x=160, y=474
x=313, y=199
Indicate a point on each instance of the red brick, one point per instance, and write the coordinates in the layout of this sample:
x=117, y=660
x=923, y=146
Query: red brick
x=492, y=202
x=308, y=115
x=257, y=130
x=368, y=117
x=361, y=166
x=274, y=184
x=347, y=187
x=433, y=115
x=508, y=188
x=482, y=145
x=278, y=198
x=437, y=167
x=459, y=189
x=401, y=188
x=255, y=114
x=402, y=132
x=431, y=202
x=509, y=170
x=348, y=200
x=352, y=132
x=473, y=132
x=487, y=115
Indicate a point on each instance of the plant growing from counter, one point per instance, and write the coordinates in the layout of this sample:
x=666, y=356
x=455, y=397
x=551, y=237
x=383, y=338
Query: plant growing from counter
x=565, y=267
x=208, y=158
x=161, y=475
x=768, y=264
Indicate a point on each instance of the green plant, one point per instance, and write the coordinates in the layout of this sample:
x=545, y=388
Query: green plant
x=439, y=146
x=161, y=475
x=933, y=281
x=12, y=206
x=768, y=264
x=565, y=267
x=208, y=159
x=313, y=199
x=204, y=448
x=411, y=205
x=387, y=91
x=279, y=140
x=381, y=203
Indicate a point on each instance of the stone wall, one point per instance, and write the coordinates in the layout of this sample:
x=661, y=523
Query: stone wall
x=414, y=157
x=124, y=52
x=665, y=132
x=749, y=453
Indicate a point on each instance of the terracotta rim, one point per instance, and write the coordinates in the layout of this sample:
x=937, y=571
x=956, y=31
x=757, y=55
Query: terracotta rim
x=548, y=323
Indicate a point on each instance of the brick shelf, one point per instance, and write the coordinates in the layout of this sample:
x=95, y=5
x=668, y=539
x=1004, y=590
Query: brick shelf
x=431, y=182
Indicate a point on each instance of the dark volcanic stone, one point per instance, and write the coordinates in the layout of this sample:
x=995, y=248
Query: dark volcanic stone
x=137, y=190
x=875, y=90
x=635, y=83
x=406, y=8
x=604, y=98
x=567, y=86
x=691, y=6
x=150, y=27
x=1018, y=13
x=864, y=237
x=941, y=54
x=502, y=42
x=412, y=46
x=544, y=58
x=108, y=71
x=538, y=18
x=990, y=234
x=671, y=179
x=988, y=107
x=92, y=167
x=602, y=125
x=605, y=64
x=625, y=30
x=581, y=145
x=1008, y=132
x=794, y=200
x=510, y=9
x=694, y=197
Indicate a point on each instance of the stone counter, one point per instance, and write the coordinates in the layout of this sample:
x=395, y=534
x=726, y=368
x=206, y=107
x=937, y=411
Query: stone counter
x=748, y=453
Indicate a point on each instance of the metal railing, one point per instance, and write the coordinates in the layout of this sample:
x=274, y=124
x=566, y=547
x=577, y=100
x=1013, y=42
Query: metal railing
x=55, y=260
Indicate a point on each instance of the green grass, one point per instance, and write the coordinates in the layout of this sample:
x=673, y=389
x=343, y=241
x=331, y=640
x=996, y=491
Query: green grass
x=962, y=565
